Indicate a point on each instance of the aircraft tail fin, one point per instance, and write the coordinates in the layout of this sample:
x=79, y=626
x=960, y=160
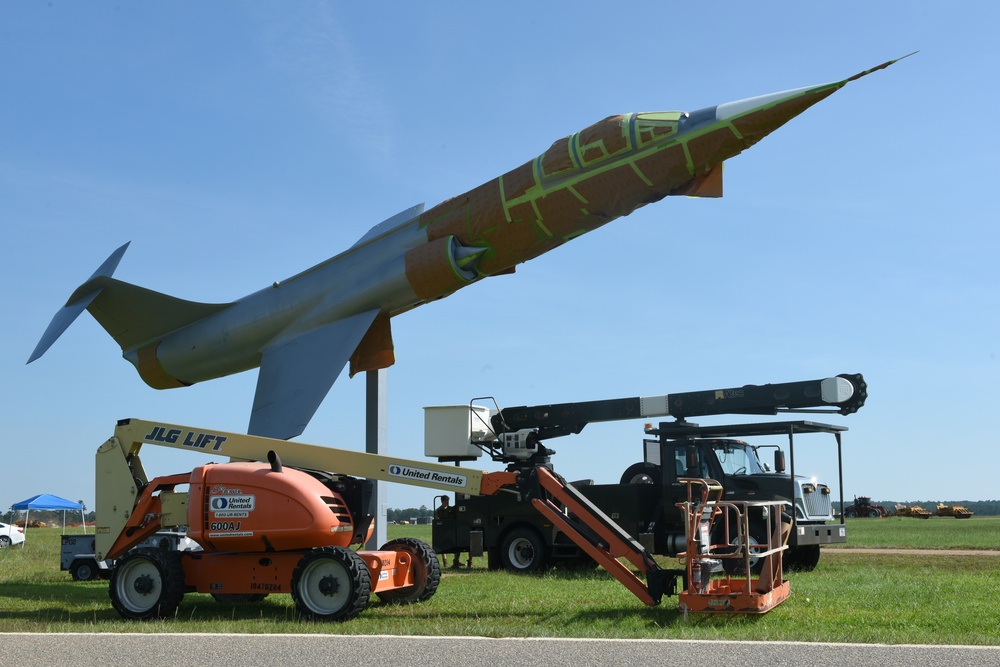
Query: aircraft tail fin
x=131, y=314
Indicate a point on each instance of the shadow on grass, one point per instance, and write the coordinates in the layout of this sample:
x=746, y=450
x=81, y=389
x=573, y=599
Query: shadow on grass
x=667, y=614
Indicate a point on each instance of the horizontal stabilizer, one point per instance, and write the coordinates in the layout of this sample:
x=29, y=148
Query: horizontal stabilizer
x=80, y=299
x=296, y=374
x=60, y=322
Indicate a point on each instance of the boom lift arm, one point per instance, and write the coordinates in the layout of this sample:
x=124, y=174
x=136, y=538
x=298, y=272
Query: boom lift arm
x=130, y=506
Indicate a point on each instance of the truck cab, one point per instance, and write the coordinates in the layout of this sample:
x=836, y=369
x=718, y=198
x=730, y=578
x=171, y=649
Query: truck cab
x=745, y=475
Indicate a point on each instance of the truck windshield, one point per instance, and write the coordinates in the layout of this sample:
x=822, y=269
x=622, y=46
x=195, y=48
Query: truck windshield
x=737, y=458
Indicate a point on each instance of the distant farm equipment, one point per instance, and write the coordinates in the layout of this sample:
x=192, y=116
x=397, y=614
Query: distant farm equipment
x=957, y=511
x=863, y=507
x=912, y=510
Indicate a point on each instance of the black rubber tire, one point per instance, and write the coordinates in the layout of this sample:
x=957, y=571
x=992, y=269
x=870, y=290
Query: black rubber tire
x=493, y=560
x=5, y=541
x=802, y=559
x=642, y=473
x=238, y=598
x=874, y=514
x=850, y=513
x=331, y=584
x=84, y=570
x=523, y=550
x=426, y=572
x=147, y=583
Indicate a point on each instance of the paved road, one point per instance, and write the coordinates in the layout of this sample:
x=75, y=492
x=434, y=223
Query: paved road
x=146, y=650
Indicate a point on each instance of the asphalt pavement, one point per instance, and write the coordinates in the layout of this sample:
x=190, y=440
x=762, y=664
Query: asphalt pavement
x=143, y=650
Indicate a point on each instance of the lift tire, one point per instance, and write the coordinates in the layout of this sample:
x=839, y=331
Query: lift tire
x=331, y=584
x=84, y=570
x=238, y=598
x=523, y=550
x=493, y=561
x=426, y=572
x=642, y=473
x=147, y=583
x=802, y=559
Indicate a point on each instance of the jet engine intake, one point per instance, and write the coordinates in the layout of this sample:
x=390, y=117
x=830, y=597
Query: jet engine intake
x=438, y=268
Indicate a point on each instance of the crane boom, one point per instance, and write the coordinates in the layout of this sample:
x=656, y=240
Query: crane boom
x=844, y=393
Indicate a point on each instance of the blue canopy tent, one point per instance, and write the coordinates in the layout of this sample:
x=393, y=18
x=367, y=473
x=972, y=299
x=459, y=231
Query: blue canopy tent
x=46, y=501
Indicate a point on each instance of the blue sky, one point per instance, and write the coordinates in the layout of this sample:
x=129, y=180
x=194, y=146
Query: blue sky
x=235, y=144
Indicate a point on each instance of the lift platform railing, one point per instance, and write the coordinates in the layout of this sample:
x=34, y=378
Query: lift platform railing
x=708, y=515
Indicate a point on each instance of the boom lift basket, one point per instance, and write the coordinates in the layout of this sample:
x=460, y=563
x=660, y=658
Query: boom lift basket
x=705, y=515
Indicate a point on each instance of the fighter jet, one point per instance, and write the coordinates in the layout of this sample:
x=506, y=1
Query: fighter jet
x=302, y=331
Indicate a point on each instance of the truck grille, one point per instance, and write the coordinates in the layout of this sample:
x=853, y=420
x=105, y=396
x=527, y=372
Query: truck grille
x=817, y=503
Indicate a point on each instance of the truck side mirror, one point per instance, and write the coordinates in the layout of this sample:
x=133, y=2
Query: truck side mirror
x=779, y=460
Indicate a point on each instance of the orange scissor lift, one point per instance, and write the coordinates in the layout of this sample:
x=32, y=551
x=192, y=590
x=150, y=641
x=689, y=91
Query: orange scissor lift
x=729, y=594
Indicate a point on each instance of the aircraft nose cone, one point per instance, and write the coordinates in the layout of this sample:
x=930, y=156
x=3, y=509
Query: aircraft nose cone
x=757, y=117
x=720, y=132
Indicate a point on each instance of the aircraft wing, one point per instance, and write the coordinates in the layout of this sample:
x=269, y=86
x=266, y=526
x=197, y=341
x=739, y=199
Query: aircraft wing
x=296, y=374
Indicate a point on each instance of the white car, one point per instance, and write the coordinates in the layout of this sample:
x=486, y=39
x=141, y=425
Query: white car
x=10, y=535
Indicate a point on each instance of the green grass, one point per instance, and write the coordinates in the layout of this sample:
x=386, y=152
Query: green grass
x=882, y=598
x=933, y=533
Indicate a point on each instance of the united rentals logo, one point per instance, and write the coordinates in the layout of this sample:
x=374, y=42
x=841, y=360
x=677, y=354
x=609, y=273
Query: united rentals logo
x=232, y=507
x=423, y=475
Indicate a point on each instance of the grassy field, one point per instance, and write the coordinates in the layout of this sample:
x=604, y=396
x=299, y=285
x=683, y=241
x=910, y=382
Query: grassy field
x=886, y=598
x=933, y=533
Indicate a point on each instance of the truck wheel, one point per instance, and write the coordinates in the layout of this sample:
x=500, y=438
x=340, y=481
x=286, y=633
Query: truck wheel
x=238, y=598
x=84, y=570
x=523, y=551
x=426, y=572
x=850, y=513
x=642, y=473
x=738, y=565
x=331, y=584
x=873, y=514
x=147, y=583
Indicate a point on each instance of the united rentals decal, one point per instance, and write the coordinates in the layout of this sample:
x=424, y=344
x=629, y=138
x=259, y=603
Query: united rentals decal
x=232, y=507
x=424, y=475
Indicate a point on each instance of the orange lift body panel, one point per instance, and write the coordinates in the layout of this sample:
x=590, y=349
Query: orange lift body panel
x=257, y=573
x=248, y=507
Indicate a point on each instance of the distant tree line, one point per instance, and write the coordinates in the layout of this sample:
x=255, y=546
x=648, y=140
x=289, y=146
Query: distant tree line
x=979, y=507
x=408, y=514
